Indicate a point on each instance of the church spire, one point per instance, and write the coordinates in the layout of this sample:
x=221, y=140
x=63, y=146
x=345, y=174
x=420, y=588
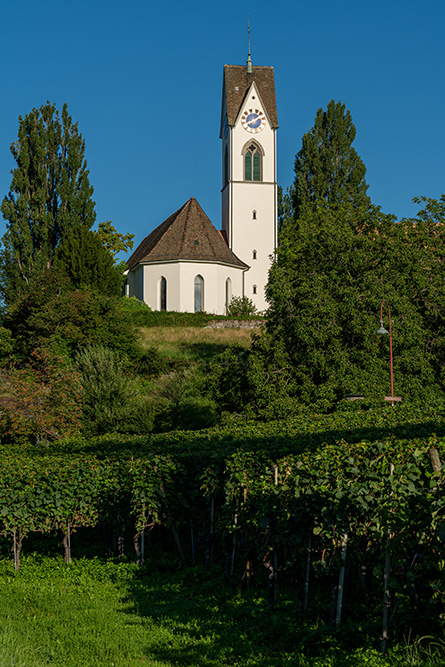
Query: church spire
x=249, y=59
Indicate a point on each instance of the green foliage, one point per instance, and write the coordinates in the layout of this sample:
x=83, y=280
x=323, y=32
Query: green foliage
x=63, y=320
x=6, y=345
x=333, y=270
x=87, y=264
x=138, y=311
x=328, y=171
x=50, y=194
x=148, y=362
x=266, y=489
x=227, y=379
x=40, y=401
x=433, y=212
x=110, y=400
x=112, y=240
x=143, y=316
x=241, y=306
x=180, y=404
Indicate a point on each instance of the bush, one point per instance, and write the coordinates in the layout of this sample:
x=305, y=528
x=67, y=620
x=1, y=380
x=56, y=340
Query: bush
x=40, y=401
x=180, y=404
x=111, y=402
x=63, y=320
x=105, y=387
x=241, y=306
x=148, y=362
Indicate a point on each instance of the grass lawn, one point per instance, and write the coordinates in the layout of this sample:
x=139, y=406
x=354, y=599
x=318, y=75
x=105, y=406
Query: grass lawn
x=193, y=343
x=97, y=613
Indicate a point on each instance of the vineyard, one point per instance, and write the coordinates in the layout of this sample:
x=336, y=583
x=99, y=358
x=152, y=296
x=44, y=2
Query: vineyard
x=346, y=510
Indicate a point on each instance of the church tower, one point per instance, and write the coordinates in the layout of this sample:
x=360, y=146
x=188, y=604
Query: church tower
x=249, y=166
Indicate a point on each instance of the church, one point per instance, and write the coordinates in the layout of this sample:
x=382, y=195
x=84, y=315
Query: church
x=186, y=264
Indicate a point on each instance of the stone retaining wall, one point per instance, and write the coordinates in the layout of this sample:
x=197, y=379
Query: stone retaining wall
x=235, y=324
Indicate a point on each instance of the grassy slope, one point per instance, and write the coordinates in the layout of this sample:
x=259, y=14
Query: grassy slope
x=193, y=343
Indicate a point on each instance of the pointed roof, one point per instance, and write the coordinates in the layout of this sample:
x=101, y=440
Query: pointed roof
x=186, y=235
x=237, y=81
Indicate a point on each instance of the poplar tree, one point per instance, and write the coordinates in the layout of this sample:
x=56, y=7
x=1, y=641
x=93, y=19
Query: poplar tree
x=50, y=194
x=328, y=170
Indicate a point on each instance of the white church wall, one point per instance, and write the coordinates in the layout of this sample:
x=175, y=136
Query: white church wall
x=254, y=231
x=252, y=209
x=180, y=282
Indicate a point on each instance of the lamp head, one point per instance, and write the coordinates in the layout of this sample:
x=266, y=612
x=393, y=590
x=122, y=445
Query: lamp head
x=382, y=331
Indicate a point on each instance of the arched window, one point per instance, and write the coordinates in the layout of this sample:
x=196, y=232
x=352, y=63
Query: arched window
x=228, y=291
x=253, y=254
x=163, y=293
x=252, y=162
x=199, y=294
x=254, y=289
x=253, y=215
x=226, y=166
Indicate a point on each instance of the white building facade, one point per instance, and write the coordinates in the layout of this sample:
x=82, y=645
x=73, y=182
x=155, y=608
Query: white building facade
x=185, y=264
x=249, y=167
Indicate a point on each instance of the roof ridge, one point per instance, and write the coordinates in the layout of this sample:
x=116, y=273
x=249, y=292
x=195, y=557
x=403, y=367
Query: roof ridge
x=184, y=229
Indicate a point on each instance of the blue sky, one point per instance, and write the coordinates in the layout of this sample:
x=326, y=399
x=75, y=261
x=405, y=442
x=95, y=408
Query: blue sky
x=143, y=80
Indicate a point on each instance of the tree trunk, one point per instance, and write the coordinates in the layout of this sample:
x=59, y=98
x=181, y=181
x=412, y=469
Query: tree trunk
x=17, y=548
x=137, y=548
x=66, y=543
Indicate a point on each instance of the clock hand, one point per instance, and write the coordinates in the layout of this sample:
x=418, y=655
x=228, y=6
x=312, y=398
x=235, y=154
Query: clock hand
x=254, y=120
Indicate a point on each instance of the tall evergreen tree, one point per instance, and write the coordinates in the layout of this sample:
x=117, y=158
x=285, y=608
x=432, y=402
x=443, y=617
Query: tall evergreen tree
x=83, y=259
x=328, y=171
x=50, y=194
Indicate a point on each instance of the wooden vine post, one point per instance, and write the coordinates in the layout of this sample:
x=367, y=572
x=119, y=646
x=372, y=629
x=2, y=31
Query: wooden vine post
x=341, y=578
x=386, y=592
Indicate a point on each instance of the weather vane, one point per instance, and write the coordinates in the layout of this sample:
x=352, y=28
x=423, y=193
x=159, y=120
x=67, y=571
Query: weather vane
x=249, y=59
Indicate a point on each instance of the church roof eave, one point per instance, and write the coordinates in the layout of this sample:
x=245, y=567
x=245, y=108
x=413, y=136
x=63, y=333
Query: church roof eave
x=176, y=260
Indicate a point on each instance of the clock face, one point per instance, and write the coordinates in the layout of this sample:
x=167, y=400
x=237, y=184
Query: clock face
x=253, y=120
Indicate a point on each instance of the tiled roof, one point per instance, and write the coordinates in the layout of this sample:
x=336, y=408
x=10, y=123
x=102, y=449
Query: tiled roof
x=237, y=81
x=187, y=234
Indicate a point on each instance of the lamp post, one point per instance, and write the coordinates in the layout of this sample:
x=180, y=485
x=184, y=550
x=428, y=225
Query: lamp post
x=381, y=332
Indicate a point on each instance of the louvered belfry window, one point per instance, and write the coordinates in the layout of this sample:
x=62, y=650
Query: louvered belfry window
x=252, y=163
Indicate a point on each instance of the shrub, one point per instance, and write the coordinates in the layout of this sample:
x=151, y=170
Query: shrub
x=148, y=362
x=40, y=401
x=111, y=401
x=241, y=306
x=63, y=320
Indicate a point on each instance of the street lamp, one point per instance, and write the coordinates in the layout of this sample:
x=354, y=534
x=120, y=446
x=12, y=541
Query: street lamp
x=381, y=332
